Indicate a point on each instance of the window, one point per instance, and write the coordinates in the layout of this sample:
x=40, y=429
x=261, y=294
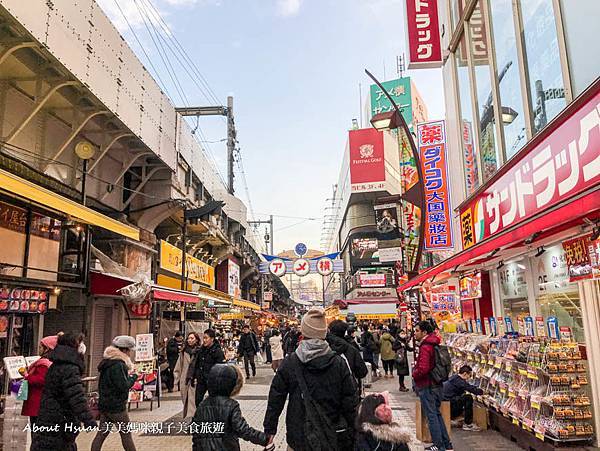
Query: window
x=546, y=86
x=488, y=143
x=507, y=63
x=467, y=120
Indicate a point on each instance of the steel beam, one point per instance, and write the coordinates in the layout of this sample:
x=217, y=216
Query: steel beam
x=37, y=106
x=125, y=167
x=107, y=147
x=145, y=180
x=10, y=50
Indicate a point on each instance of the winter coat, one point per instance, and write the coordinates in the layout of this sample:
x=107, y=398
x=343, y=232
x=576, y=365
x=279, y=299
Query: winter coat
x=173, y=349
x=114, y=381
x=224, y=381
x=352, y=342
x=330, y=384
x=425, y=361
x=248, y=344
x=383, y=437
x=456, y=386
x=36, y=378
x=63, y=402
x=290, y=342
x=401, y=346
x=276, y=347
x=355, y=361
x=203, y=360
x=377, y=341
x=387, y=347
x=188, y=393
x=368, y=345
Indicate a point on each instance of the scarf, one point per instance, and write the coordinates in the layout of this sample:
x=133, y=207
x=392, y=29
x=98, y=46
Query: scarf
x=312, y=348
x=189, y=349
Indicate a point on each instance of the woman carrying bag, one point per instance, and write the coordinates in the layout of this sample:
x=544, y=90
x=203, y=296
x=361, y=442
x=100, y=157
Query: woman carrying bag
x=188, y=391
x=402, y=346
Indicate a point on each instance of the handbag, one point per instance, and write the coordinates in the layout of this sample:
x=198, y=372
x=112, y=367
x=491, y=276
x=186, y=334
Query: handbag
x=93, y=405
x=319, y=433
x=23, y=393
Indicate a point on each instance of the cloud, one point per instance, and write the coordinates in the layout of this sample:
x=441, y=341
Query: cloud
x=288, y=8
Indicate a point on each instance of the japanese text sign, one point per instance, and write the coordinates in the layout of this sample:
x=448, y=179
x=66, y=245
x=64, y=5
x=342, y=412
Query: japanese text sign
x=422, y=28
x=367, y=160
x=170, y=259
x=400, y=91
x=144, y=347
x=578, y=258
x=431, y=140
x=371, y=280
x=565, y=163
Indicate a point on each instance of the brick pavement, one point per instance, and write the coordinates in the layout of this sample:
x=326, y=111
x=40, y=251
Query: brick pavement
x=253, y=399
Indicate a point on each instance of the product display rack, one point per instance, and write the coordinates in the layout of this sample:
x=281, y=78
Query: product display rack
x=540, y=384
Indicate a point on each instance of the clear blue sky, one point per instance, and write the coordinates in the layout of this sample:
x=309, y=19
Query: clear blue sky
x=293, y=67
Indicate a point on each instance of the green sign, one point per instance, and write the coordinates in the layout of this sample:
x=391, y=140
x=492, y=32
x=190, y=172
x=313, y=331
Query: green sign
x=400, y=91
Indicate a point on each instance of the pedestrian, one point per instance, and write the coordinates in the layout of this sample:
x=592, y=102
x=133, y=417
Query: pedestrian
x=377, y=332
x=316, y=378
x=457, y=390
x=113, y=390
x=337, y=343
x=205, y=357
x=248, y=348
x=388, y=356
x=401, y=347
x=276, y=350
x=351, y=336
x=376, y=430
x=36, y=378
x=223, y=414
x=393, y=328
x=267, y=345
x=63, y=407
x=173, y=348
x=290, y=341
x=188, y=392
x=430, y=393
x=368, y=346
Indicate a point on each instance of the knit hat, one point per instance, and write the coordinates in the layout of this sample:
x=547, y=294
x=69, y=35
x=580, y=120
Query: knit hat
x=314, y=324
x=50, y=341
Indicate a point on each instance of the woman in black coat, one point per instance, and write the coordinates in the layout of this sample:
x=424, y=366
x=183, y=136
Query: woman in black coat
x=402, y=346
x=64, y=406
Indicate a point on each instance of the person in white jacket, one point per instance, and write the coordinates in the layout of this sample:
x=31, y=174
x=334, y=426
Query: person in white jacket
x=276, y=349
x=188, y=391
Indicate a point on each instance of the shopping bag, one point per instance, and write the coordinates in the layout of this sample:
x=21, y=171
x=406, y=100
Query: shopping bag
x=23, y=393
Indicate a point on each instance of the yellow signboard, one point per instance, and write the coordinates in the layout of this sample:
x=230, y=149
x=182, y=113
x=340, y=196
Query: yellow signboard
x=467, y=228
x=361, y=316
x=170, y=260
x=230, y=316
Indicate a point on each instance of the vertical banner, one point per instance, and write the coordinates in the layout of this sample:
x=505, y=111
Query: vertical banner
x=423, y=35
x=431, y=140
x=367, y=160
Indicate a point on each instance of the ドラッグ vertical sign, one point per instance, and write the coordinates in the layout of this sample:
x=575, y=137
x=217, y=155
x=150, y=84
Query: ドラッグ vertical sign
x=367, y=160
x=431, y=137
x=422, y=29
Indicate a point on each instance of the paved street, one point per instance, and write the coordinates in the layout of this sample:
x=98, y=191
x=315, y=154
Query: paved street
x=253, y=399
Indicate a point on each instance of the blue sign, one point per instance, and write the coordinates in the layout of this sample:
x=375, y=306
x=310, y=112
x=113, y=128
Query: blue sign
x=552, y=324
x=300, y=249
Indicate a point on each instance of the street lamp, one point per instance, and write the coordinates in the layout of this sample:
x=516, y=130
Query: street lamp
x=85, y=151
x=508, y=115
x=393, y=120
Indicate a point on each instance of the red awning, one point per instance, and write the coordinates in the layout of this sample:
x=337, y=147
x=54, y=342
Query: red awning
x=102, y=284
x=164, y=294
x=545, y=221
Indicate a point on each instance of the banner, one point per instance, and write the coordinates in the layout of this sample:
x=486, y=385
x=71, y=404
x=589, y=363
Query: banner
x=170, y=260
x=367, y=160
x=386, y=218
x=233, y=274
x=423, y=35
x=578, y=258
x=431, y=140
x=562, y=165
x=371, y=280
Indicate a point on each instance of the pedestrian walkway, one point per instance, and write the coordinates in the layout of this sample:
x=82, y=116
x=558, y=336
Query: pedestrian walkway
x=253, y=402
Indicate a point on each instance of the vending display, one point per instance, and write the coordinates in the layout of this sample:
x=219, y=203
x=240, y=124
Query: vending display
x=540, y=383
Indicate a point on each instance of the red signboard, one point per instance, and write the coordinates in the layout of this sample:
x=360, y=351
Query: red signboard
x=371, y=280
x=431, y=140
x=562, y=165
x=422, y=28
x=578, y=258
x=367, y=160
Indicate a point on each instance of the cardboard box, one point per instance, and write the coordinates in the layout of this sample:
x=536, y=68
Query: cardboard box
x=480, y=417
x=421, y=421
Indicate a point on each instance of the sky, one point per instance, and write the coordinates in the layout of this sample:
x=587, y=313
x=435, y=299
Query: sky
x=294, y=69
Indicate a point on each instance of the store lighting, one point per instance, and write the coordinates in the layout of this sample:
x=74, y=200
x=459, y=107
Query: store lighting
x=500, y=265
x=384, y=121
x=508, y=115
x=520, y=266
x=56, y=291
x=540, y=251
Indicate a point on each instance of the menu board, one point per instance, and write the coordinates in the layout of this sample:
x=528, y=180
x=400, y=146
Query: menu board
x=144, y=347
x=12, y=365
x=23, y=300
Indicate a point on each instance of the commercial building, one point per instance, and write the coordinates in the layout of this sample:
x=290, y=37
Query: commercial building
x=522, y=102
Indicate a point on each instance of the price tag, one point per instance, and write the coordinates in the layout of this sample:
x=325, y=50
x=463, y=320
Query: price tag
x=539, y=436
x=515, y=421
x=498, y=364
x=503, y=390
x=469, y=357
x=508, y=365
x=535, y=405
x=532, y=374
x=522, y=372
x=511, y=394
x=491, y=361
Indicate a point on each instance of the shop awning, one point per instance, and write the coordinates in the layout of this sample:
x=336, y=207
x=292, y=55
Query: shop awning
x=102, y=284
x=46, y=198
x=164, y=294
x=246, y=304
x=546, y=221
x=218, y=297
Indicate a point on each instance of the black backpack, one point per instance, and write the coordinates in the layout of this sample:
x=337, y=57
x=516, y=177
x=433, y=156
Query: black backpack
x=442, y=365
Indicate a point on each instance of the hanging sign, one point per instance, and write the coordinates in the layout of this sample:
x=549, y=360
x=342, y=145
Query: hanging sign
x=539, y=325
x=277, y=267
x=552, y=324
x=301, y=267
x=578, y=258
x=493, y=327
x=431, y=140
x=509, y=325
x=529, y=329
x=325, y=266
x=423, y=35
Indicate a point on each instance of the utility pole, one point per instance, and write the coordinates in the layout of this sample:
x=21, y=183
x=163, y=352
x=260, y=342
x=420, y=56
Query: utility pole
x=226, y=111
x=270, y=222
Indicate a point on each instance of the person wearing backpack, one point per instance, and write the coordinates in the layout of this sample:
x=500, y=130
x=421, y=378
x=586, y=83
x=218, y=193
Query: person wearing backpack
x=323, y=398
x=337, y=343
x=428, y=376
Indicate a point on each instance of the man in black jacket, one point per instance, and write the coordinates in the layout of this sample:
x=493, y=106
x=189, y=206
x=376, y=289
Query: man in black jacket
x=328, y=380
x=204, y=359
x=339, y=345
x=173, y=348
x=248, y=348
x=455, y=391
